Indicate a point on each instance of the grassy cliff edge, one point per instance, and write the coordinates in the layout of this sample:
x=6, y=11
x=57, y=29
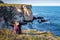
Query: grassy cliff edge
x=7, y=34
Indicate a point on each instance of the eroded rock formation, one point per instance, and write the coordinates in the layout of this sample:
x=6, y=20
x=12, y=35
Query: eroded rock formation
x=27, y=12
x=20, y=13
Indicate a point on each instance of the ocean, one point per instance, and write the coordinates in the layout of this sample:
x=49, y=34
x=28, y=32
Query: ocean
x=50, y=13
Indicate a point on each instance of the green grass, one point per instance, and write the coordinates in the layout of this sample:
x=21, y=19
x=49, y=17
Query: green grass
x=6, y=34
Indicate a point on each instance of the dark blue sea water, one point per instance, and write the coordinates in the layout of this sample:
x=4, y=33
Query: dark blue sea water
x=51, y=13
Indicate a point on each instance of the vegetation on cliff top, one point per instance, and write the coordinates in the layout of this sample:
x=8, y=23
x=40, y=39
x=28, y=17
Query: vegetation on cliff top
x=6, y=34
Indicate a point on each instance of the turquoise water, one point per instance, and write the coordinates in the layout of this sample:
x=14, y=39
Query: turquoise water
x=51, y=13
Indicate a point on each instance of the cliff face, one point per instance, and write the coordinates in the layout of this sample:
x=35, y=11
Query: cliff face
x=9, y=13
x=16, y=13
x=27, y=12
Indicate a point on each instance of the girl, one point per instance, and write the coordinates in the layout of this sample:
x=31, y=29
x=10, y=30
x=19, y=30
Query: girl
x=17, y=28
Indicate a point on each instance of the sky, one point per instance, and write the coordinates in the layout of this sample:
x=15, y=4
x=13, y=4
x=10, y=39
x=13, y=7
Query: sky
x=35, y=2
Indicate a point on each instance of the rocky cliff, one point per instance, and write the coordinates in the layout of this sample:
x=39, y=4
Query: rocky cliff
x=16, y=12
